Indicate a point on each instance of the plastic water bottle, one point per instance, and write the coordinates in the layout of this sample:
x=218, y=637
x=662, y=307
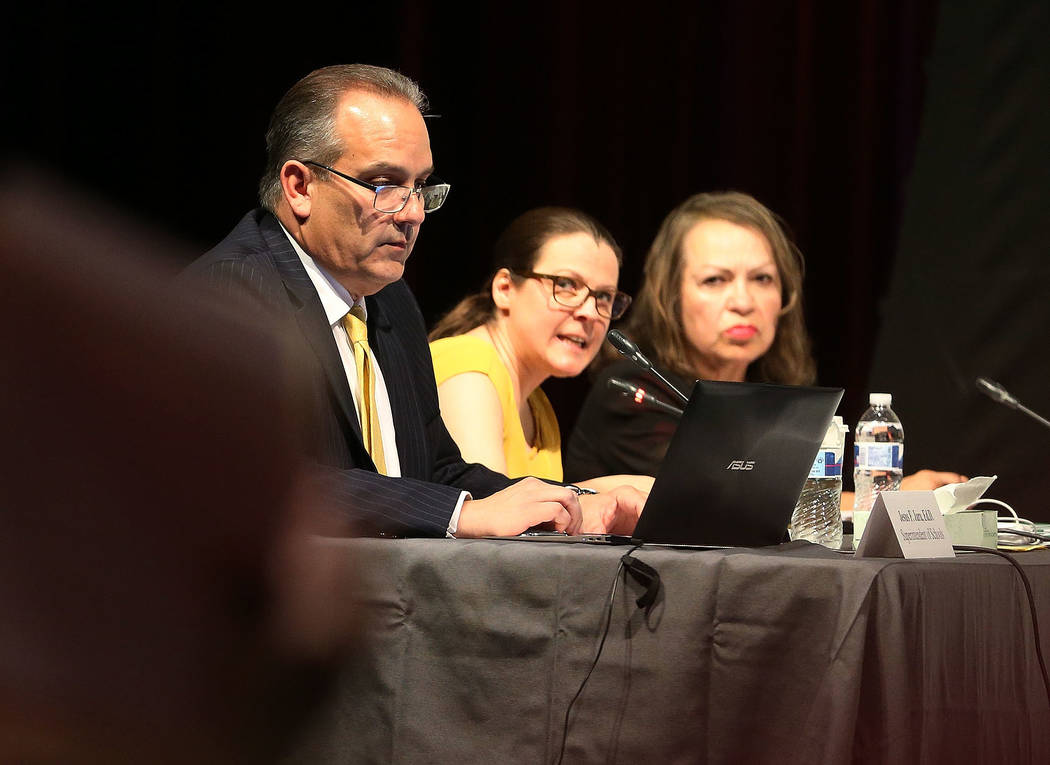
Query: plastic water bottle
x=817, y=517
x=878, y=452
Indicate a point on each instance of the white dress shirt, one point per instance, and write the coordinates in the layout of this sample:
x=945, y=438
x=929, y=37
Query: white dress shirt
x=337, y=302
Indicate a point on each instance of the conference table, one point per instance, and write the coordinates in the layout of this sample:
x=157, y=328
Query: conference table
x=474, y=650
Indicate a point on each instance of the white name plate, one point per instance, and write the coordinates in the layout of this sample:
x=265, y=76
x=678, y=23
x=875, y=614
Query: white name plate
x=906, y=524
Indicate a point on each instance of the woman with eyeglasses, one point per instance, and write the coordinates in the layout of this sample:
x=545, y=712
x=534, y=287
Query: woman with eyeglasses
x=543, y=313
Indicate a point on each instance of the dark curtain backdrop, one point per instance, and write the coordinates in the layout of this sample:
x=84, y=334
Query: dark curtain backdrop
x=620, y=109
x=970, y=294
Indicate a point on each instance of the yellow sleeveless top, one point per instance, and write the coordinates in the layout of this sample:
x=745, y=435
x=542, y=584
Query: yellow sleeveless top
x=465, y=353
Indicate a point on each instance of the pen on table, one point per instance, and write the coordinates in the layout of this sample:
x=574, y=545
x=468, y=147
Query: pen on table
x=580, y=489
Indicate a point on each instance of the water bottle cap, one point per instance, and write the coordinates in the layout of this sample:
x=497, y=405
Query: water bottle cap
x=835, y=437
x=880, y=399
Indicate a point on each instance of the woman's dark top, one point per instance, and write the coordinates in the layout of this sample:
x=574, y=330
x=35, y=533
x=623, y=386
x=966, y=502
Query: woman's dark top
x=615, y=435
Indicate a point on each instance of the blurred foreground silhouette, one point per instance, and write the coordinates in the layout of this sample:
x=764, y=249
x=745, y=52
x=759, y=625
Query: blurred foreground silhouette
x=161, y=599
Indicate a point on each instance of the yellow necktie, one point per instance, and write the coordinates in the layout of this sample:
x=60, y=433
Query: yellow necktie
x=366, y=384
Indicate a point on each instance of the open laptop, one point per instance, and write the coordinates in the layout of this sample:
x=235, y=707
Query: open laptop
x=734, y=468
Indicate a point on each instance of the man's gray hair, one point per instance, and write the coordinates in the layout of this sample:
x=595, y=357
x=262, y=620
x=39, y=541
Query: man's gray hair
x=303, y=124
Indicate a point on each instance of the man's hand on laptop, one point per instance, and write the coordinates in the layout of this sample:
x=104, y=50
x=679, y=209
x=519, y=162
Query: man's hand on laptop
x=529, y=502
x=614, y=511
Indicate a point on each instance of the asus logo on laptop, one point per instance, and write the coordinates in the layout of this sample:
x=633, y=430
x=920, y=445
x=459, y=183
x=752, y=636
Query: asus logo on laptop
x=741, y=465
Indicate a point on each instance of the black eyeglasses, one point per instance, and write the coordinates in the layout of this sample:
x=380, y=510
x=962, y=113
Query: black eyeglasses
x=392, y=199
x=572, y=293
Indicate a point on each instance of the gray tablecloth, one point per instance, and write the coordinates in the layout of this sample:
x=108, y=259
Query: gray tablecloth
x=788, y=654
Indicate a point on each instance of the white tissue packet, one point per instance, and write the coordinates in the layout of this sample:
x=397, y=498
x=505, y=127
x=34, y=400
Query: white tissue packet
x=956, y=497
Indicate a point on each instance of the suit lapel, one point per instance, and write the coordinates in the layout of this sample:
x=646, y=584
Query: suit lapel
x=311, y=318
x=395, y=363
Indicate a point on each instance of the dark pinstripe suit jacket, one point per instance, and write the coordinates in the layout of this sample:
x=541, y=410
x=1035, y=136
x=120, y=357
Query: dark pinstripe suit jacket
x=257, y=260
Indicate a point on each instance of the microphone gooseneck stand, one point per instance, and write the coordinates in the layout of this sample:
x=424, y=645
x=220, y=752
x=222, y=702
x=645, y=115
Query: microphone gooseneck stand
x=640, y=396
x=629, y=349
x=999, y=394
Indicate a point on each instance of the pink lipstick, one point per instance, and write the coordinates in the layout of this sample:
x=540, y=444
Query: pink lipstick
x=741, y=332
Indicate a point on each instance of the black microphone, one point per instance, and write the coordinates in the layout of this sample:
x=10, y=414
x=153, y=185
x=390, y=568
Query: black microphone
x=640, y=396
x=999, y=394
x=631, y=351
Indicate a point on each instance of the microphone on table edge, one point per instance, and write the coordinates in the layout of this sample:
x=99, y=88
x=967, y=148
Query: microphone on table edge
x=640, y=396
x=999, y=394
x=628, y=348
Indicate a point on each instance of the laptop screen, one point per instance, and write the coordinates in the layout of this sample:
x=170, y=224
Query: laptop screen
x=736, y=464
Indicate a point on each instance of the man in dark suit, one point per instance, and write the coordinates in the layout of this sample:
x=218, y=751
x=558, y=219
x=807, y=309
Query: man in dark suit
x=347, y=186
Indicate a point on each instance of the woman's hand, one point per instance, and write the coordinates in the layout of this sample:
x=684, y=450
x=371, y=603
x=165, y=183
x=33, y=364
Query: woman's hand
x=612, y=512
x=923, y=480
x=928, y=480
x=643, y=483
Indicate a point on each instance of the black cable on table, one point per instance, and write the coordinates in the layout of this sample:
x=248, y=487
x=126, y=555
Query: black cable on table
x=1021, y=533
x=605, y=632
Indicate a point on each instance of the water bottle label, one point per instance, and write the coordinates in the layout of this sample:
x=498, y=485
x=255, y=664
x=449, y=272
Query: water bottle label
x=828, y=464
x=878, y=456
